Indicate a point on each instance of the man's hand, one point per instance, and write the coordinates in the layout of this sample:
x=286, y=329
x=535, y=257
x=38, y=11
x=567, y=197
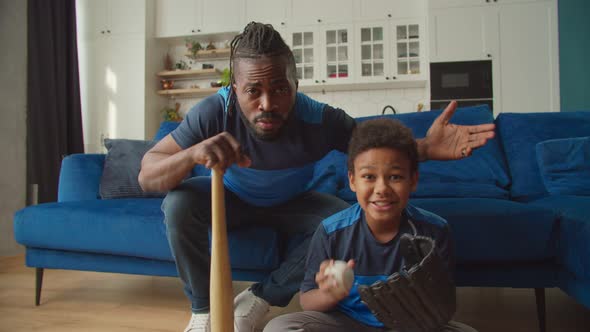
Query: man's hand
x=447, y=141
x=221, y=150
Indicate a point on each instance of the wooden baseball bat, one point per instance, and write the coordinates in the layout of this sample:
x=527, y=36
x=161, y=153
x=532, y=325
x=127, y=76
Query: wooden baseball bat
x=220, y=288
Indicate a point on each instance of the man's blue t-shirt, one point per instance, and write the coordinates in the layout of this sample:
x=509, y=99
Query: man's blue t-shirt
x=282, y=168
x=346, y=235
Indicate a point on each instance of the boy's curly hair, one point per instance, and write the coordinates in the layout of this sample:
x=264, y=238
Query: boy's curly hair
x=382, y=133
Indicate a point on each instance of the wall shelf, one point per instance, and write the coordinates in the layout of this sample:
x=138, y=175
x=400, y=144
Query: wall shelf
x=186, y=93
x=220, y=53
x=190, y=74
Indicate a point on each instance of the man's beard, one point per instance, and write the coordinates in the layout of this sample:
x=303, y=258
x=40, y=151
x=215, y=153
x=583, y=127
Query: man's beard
x=265, y=136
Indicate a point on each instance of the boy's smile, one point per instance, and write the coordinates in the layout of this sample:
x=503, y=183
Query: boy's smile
x=383, y=181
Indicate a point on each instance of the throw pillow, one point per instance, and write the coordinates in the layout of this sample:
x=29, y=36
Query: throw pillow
x=565, y=165
x=121, y=168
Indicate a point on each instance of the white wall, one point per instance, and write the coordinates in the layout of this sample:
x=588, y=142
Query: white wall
x=13, y=94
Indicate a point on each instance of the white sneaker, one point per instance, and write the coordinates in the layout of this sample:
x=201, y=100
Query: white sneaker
x=199, y=323
x=249, y=311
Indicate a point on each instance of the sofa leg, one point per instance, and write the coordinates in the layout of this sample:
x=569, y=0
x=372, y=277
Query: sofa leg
x=38, y=284
x=540, y=298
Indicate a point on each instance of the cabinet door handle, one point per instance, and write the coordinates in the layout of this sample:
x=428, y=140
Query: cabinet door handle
x=108, y=31
x=489, y=55
x=317, y=81
x=198, y=30
x=102, y=31
x=193, y=30
x=282, y=23
x=393, y=77
x=387, y=77
x=323, y=81
x=388, y=15
x=319, y=20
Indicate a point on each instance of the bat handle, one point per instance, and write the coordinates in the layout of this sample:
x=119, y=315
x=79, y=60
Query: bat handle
x=220, y=291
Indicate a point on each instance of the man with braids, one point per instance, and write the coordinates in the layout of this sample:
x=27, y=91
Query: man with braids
x=267, y=137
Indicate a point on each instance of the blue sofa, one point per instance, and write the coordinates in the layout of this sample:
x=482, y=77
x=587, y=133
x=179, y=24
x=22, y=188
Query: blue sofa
x=510, y=231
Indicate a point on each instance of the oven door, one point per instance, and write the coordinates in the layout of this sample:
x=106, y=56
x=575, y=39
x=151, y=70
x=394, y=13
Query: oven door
x=461, y=80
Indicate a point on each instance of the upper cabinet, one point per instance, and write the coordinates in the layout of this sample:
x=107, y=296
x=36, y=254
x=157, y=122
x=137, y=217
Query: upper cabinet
x=465, y=3
x=190, y=17
x=222, y=16
x=323, y=54
x=111, y=17
x=462, y=34
x=178, y=17
x=390, y=50
x=275, y=12
x=386, y=9
x=306, y=12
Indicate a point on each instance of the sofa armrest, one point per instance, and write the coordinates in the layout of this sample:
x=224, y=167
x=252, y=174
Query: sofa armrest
x=79, y=178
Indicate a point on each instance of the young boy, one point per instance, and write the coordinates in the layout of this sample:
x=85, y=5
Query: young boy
x=382, y=171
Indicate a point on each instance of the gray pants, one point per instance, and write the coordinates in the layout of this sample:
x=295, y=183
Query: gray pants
x=335, y=321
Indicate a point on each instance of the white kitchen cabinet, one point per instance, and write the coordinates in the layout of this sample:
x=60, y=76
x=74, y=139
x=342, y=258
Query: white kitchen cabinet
x=462, y=34
x=175, y=18
x=465, y=3
x=385, y=9
x=222, y=16
x=275, y=12
x=116, y=87
x=323, y=54
x=178, y=17
x=390, y=50
x=111, y=17
x=528, y=57
x=307, y=12
x=520, y=37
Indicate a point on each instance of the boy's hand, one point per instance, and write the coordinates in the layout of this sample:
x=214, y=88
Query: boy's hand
x=328, y=284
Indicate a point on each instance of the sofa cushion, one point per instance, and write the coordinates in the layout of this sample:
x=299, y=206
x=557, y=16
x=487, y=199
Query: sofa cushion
x=565, y=165
x=121, y=168
x=494, y=230
x=520, y=132
x=574, y=231
x=484, y=174
x=130, y=227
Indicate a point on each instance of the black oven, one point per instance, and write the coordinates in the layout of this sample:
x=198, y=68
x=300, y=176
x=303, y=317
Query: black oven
x=467, y=82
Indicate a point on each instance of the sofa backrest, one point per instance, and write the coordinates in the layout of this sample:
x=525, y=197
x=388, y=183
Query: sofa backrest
x=483, y=174
x=166, y=127
x=519, y=134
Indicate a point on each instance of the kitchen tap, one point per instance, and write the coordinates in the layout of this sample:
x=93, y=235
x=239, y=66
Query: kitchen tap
x=388, y=107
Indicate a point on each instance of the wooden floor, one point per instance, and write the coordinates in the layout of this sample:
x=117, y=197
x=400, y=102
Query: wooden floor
x=89, y=301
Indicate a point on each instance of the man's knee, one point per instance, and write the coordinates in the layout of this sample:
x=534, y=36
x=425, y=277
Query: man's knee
x=184, y=204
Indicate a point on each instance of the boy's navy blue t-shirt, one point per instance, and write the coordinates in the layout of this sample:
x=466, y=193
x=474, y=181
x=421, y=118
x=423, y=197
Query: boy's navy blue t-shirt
x=346, y=236
x=282, y=168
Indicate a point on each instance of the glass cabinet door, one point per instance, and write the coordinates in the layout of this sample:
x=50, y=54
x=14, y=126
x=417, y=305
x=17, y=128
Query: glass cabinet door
x=302, y=45
x=337, y=56
x=372, y=53
x=408, y=49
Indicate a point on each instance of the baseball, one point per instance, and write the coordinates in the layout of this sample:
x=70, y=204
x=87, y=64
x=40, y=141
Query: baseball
x=343, y=275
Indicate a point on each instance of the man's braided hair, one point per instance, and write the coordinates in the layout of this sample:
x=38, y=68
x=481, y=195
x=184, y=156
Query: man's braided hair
x=256, y=41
